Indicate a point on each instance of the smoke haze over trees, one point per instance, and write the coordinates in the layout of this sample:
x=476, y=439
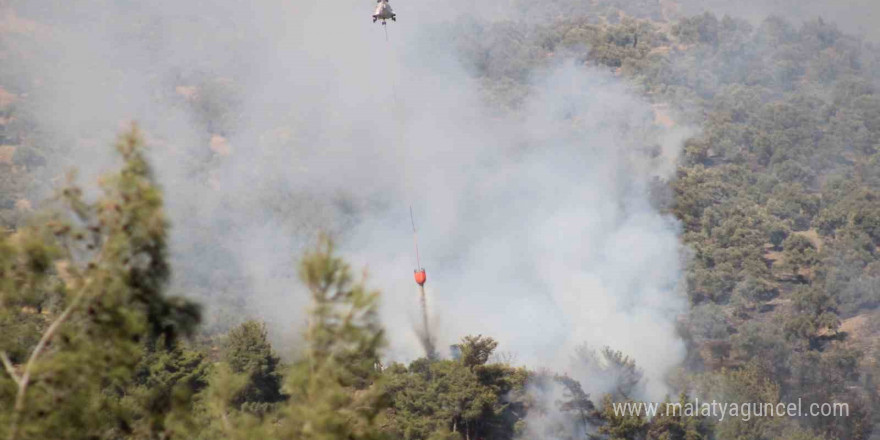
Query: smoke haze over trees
x=616, y=200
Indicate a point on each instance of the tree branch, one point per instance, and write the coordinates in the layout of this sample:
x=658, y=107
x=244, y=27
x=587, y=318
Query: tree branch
x=24, y=380
x=9, y=369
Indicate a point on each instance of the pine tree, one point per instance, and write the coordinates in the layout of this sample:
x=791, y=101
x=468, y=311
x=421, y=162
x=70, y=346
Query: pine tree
x=334, y=390
x=99, y=271
x=671, y=423
x=249, y=352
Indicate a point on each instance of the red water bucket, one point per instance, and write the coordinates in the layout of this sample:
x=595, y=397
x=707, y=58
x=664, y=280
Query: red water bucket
x=420, y=276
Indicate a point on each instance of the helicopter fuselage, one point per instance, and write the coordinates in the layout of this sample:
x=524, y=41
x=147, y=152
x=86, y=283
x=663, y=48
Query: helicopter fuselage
x=383, y=12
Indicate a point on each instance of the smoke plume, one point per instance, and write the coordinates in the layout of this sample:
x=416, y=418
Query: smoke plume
x=272, y=121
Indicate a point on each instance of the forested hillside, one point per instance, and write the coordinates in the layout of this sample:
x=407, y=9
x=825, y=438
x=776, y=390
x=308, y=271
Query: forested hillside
x=776, y=195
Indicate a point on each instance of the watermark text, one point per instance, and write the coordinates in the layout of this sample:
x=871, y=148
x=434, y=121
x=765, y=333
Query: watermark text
x=721, y=410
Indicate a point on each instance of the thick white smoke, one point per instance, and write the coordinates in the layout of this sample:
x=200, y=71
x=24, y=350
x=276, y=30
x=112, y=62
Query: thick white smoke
x=540, y=233
x=535, y=228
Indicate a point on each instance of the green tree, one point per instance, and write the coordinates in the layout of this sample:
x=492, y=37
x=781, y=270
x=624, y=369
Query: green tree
x=815, y=314
x=248, y=351
x=754, y=290
x=622, y=425
x=103, y=267
x=166, y=382
x=334, y=389
x=612, y=367
x=671, y=423
x=215, y=415
x=469, y=397
x=800, y=255
x=748, y=384
x=475, y=350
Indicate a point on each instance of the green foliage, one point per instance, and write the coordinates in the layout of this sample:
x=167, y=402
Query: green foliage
x=613, y=367
x=792, y=204
x=749, y=384
x=102, y=274
x=467, y=398
x=819, y=377
x=754, y=290
x=165, y=384
x=475, y=350
x=622, y=426
x=816, y=312
x=576, y=401
x=708, y=322
x=671, y=423
x=215, y=417
x=701, y=29
x=799, y=255
x=764, y=345
x=248, y=352
x=334, y=389
x=858, y=209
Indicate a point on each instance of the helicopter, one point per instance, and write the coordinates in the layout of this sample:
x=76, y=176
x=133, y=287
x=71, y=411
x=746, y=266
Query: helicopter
x=383, y=12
